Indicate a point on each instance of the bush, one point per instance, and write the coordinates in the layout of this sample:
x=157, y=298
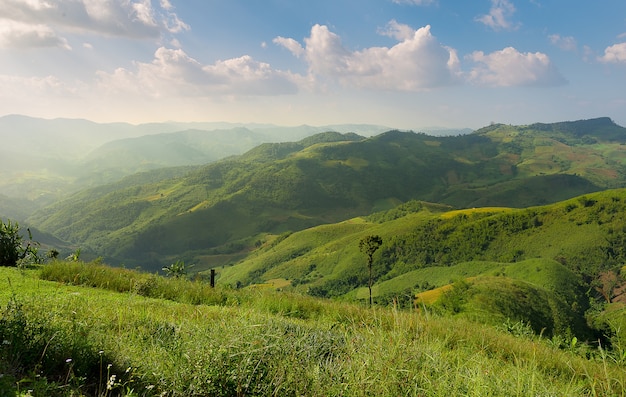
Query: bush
x=12, y=250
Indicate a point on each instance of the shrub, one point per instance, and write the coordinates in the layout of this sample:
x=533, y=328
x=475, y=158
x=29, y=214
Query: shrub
x=12, y=250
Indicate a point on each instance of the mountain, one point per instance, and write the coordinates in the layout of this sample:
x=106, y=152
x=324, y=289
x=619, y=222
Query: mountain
x=216, y=213
x=44, y=160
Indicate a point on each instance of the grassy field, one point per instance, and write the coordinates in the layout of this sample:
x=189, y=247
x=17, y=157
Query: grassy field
x=87, y=329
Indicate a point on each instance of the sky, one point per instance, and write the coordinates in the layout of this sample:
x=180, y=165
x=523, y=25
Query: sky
x=406, y=64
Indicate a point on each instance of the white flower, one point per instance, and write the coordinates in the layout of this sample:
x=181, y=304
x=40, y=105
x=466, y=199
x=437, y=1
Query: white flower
x=111, y=382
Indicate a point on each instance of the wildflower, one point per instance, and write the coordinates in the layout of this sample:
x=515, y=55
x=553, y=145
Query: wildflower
x=101, y=352
x=6, y=342
x=111, y=382
x=69, y=360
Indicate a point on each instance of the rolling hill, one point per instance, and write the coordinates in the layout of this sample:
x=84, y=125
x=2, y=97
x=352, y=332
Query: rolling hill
x=216, y=213
x=487, y=264
x=44, y=160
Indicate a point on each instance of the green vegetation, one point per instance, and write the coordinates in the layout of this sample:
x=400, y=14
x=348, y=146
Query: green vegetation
x=555, y=266
x=74, y=339
x=530, y=284
x=213, y=215
x=13, y=251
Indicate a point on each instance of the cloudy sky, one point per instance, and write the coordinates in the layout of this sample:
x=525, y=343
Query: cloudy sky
x=399, y=63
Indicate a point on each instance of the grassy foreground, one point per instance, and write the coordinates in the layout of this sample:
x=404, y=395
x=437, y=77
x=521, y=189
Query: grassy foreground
x=108, y=332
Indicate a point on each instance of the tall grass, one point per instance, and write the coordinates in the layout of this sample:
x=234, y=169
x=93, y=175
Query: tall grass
x=261, y=343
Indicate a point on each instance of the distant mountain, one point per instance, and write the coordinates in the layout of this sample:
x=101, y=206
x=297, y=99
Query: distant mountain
x=442, y=131
x=43, y=160
x=215, y=213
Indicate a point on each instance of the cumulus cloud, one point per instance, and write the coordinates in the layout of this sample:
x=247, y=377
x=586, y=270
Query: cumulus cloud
x=567, y=43
x=509, y=67
x=397, y=30
x=124, y=18
x=416, y=63
x=20, y=35
x=292, y=45
x=614, y=54
x=499, y=17
x=173, y=72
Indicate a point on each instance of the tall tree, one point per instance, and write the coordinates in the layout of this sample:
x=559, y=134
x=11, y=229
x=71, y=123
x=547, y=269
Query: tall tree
x=368, y=245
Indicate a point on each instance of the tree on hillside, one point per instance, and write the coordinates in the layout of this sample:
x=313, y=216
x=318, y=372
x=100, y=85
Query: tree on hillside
x=12, y=250
x=368, y=245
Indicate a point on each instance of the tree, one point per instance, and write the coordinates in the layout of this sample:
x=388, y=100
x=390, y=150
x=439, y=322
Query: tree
x=12, y=250
x=368, y=245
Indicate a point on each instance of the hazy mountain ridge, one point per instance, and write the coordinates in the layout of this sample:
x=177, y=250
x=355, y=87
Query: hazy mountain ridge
x=43, y=160
x=223, y=208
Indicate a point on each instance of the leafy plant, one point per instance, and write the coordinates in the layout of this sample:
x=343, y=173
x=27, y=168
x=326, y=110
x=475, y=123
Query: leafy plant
x=74, y=256
x=177, y=269
x=13, y=252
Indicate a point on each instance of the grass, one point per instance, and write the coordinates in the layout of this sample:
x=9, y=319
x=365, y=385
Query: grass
x=258, y=342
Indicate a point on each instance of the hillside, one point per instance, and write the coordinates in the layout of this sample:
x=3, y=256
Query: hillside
x=585, y=234
x=87, y=329
x=215, y=214
x=545, y=266
x=44, y=160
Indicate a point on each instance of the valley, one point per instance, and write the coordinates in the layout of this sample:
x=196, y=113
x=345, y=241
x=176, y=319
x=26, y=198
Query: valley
x=517, y=230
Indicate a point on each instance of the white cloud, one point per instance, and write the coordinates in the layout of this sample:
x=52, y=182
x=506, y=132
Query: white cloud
x=614, y=54
x=125, y=18
x=20, y=35
x=418, y=62
x=166, y=5
x=567, y=43
x=397, y=30
x=292, y=45
x=509, y=67
x=18, y=88
x=499, y=15
x=173, y=72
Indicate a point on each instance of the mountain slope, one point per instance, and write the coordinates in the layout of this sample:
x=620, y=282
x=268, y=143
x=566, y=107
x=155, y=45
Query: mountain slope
x=541, y=265
x=585, y=234
x=225, y=208
x=44, y=160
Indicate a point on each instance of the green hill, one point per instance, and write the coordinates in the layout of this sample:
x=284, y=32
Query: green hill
x=217, y=213
x=73, y=328
x=553, y=258
x=585, y=235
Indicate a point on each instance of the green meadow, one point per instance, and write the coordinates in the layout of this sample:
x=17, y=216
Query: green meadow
x=498, y=270
x=73, y=328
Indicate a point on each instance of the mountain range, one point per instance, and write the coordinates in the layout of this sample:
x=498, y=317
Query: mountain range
x=42, y=160
x=215, y=214
x=530, y=215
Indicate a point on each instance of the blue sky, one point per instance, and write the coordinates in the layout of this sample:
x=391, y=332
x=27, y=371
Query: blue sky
x=400, y=63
